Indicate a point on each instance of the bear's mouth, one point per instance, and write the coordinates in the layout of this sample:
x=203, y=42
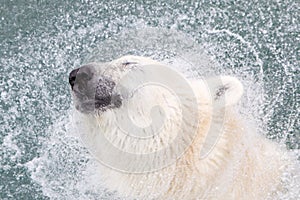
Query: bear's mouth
x=103, y=103
x=101, y=100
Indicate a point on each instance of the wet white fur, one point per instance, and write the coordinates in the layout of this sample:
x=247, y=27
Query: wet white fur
x=242, y=164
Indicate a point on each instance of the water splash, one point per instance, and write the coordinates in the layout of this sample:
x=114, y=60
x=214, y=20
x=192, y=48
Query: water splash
x=41, y=42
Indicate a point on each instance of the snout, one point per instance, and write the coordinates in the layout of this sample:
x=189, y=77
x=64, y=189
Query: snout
x=92, y=91
x=80, y=75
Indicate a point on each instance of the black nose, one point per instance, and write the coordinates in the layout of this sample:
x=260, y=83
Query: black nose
x=81, y=74
x=72, y=77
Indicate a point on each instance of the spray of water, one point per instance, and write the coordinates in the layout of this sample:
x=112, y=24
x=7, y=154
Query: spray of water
x=39, y=155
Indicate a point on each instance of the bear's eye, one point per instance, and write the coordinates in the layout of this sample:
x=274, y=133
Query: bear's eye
x=128, y=63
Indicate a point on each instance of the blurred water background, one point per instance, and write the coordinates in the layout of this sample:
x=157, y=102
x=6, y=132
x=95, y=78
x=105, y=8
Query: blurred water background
x=42, y=40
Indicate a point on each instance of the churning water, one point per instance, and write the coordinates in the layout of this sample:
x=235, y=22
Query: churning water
x=42, y=40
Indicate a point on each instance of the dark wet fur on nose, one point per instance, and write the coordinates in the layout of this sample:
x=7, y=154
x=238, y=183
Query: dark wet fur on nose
x=104, y=94
x=104, y=90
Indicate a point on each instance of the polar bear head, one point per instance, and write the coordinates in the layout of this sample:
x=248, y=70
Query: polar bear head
x=93, y=84
x=137, y=106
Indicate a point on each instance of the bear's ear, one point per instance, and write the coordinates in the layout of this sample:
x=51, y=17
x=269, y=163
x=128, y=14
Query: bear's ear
x=225, y=90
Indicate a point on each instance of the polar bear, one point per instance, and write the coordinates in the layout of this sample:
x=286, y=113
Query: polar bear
x=159, y=135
